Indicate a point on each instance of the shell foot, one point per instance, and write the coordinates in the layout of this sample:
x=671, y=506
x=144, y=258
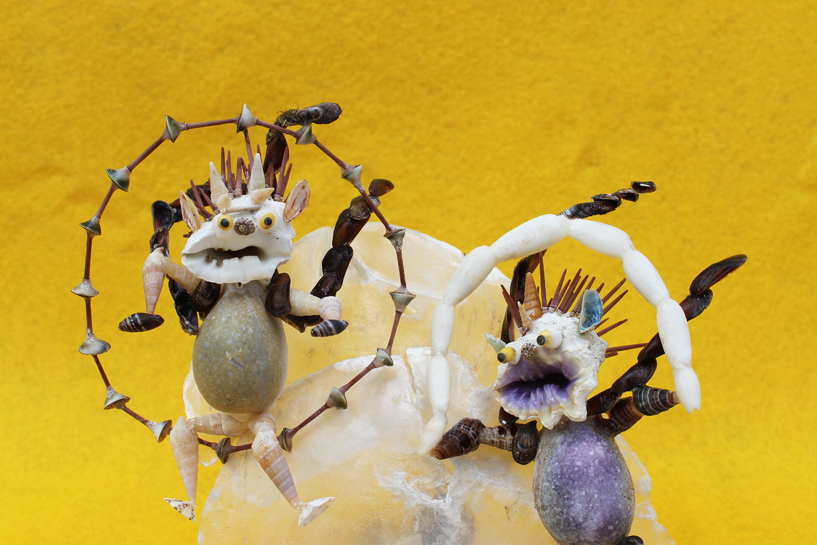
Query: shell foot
x=186, y=508
x=312, y=510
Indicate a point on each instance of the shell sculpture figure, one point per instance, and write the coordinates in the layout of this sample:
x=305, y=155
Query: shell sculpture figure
x=550, y=353
x=227, y=291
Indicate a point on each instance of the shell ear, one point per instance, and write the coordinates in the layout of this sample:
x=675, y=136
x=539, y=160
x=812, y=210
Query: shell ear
x=257, y=175
x=218, y=191
x=592, y=310
x=297, y=201
x=189, y=213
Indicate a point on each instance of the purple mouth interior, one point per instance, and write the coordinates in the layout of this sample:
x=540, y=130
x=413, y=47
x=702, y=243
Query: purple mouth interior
x=530, y=385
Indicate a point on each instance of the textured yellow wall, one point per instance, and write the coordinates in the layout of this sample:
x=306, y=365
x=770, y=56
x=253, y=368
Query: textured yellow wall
x=484, y=117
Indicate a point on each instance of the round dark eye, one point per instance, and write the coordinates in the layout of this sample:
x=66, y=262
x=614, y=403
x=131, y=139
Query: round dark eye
x=225, y=222
x=267, y=221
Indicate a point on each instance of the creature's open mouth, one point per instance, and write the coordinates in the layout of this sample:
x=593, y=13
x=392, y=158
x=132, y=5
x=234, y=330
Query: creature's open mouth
x=220, y=255
x=530, y=386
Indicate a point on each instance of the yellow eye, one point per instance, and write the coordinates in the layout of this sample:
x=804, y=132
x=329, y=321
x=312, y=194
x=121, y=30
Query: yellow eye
x=506, y=354
x=225, y=223
x=544, y=338
x=267, y=221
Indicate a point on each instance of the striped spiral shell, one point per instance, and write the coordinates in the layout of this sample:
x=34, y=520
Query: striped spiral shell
x=153, y=277
x=328, y=328
x=267, y=450
x=330, y=308
x=140, y=321
x=652, y=401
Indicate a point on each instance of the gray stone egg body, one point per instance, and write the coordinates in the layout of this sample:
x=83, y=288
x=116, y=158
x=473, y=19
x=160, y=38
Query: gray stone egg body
x=240, y=354
x=581, y=485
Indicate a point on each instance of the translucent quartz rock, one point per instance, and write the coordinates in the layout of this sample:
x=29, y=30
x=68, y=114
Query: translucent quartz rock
x=366, y=456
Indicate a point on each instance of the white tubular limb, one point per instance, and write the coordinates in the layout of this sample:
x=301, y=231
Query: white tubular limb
x=672, y=324
x=533, y=236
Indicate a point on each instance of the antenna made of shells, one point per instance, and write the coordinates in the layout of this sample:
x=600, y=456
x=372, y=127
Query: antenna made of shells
x=276, y=159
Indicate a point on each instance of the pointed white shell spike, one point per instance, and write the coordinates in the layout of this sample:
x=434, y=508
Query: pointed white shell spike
x=181, y=274
x=257, y=174
x=218, y=191
x=527, y=323
x=153, y=276
x=532, y=305
x=297, y=201
x=260, y=195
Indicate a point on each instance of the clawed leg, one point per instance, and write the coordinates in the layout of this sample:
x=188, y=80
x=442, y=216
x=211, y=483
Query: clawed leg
x=267, y=450
x=185, y=443
x=699, y=298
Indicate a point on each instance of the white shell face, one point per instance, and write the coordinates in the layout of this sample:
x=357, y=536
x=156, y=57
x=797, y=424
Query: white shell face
x=554, y=380
x=240, y=248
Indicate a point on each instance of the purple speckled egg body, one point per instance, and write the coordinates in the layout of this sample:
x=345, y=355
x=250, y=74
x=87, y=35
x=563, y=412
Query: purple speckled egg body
x=581, y=485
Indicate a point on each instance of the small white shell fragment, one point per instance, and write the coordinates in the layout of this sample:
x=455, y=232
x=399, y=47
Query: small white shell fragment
x=600, y=237
x=645, y=278
x=153, y=277
x=85, y=289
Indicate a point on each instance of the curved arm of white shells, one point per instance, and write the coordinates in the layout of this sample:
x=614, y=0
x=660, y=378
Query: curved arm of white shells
x=672, y=324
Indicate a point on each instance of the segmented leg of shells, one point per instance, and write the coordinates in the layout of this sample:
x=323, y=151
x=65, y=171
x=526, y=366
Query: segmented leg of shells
x=181, y=274
x=218, y=424
x=267, y=450
x=645, y=401
x=185, y=446
x=153, y=276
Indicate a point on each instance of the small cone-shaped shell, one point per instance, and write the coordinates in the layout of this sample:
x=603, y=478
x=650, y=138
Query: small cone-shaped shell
x=267, y=450
x=257, y=174
x=218, y=191
x=153, y=276
x=185, y=446
x=190, y=214
x=533, y=306
x=219, y=424
x=258, y=196
x=330, y=308
x=181, y=274
x=297, y=201
x=527, y=323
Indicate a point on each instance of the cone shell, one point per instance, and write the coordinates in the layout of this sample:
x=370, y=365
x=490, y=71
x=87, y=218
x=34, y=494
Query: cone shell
x=181, y=274
x=267, y=450
x=219, y=424
x=533, y=306
x=257, y=175
x=185, y=446
x=218, y=191
x=153, y=276
x=330, y=308
x=459, y=440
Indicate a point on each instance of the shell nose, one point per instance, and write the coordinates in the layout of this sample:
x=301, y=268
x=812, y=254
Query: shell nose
x=244, y=226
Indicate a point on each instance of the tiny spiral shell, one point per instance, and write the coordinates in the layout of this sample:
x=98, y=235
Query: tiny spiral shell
x=219, y=424
x=525, y=443
x=140, y=321
x=652, y=401
x=153, y=276
x=328, y=328
x=330, y=308
x=459, y=440
x=181, y=274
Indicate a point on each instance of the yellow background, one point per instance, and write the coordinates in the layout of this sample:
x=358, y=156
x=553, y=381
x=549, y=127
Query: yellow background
x=484, y=117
